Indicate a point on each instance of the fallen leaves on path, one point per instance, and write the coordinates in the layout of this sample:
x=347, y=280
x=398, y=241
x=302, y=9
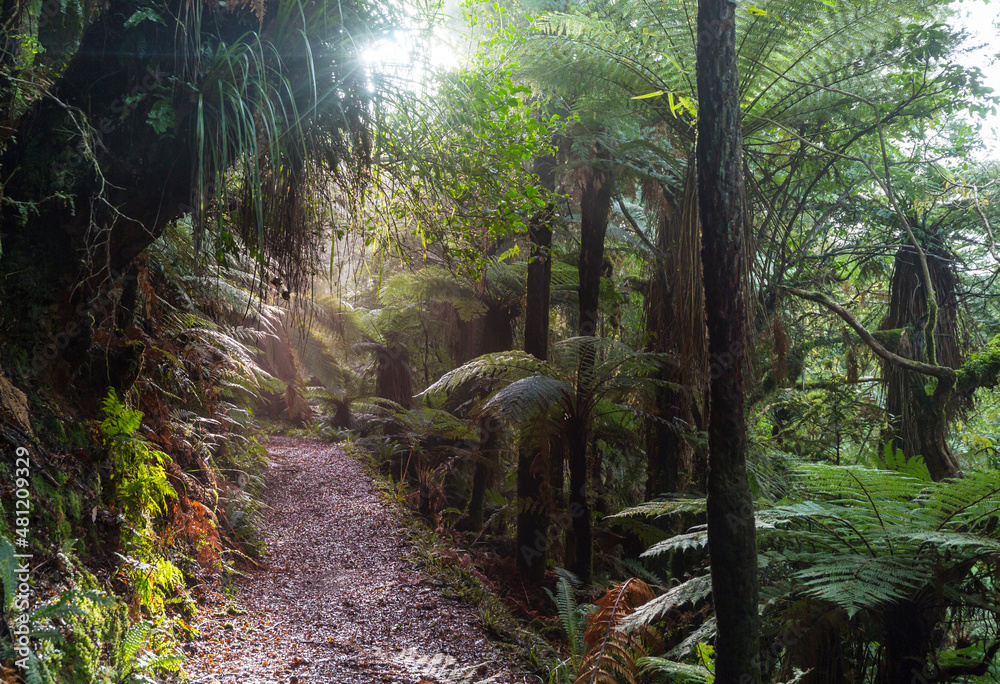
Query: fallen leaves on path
x=337, y=602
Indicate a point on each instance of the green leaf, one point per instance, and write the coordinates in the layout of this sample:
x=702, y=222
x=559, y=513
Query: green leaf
x=144, y=14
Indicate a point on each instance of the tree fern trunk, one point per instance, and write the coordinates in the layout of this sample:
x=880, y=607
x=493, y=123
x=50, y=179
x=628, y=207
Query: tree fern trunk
x=533, y=514
x=595, y=205
x=498, y=336
x=918, y=423
x=481, y=478
x=579, y=508
x=731, y=532
x=675, y=323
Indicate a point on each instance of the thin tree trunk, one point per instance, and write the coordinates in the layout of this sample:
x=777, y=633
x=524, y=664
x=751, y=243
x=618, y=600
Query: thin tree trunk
x=557, y=486
x=595, y=205
x=485, y=463
x=579, y=509
x=533, y=514
x=731, y=533
x=498, y=336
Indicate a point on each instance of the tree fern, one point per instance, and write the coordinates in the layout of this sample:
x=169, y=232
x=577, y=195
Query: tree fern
x=861, y=541
x=693, y=591
x=528, y=398
x=510, y=366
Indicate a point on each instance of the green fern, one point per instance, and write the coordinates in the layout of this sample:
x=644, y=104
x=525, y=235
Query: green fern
x=694, y=591
x=571, y=617
x=860, y=540
x=679, y=673
x=138, y=473
x=8, y=564
x=128, y=648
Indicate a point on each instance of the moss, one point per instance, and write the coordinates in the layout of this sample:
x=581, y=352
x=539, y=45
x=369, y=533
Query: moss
x=79, y=633
x=74, y=506
x=50, y=510
x=981, y=370
x=18, y=360
x=50, y=426
x=78, y=435
x=889, y=338
x=90, y=635
x=5, y=530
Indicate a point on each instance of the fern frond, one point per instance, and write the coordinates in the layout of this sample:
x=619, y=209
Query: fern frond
x=680, y=673
x=528, y=398
x=856, y=582
x=128, y=647
x=655, y=509
x=693, y=591
x=611, y=652
x=680, y=542
x=509, y=366
x=571, y=616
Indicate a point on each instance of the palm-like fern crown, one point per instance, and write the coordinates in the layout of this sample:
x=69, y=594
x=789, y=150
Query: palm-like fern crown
x=530, y=388
x=785, y=50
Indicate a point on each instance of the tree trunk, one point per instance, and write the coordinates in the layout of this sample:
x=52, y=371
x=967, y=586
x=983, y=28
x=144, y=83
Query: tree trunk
x=485, y=464
x=498, y=336
x=579, y=510
x=533, y=514
x=918, y=422
x=731, y=532
x=595, y=205
x=907, y=636
x=675, y=321
x=663, y=446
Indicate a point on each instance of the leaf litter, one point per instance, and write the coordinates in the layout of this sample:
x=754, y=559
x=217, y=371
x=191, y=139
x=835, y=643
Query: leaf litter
x=336, y=601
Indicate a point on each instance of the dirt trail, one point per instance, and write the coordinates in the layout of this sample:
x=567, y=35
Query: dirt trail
x=338, y=603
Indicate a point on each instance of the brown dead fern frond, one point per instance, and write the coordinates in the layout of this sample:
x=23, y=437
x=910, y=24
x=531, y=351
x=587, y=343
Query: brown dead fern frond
x=611, y=654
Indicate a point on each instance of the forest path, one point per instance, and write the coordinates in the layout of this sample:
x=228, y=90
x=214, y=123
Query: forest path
x=338, y=603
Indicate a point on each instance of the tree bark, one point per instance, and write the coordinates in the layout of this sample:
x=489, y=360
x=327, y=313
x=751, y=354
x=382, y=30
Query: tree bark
x=579, y=509
x=731, y=532
x=533, y=514
x=918, y=422
x=595, y=205
x=498, y=336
